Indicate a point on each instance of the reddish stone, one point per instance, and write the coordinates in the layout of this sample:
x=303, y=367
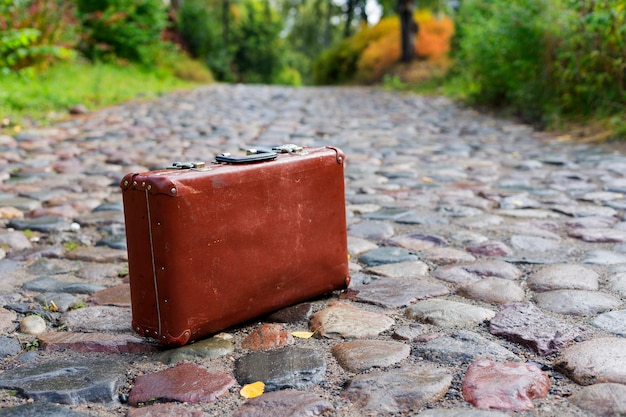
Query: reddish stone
x=118, y=295
x=95, y=342
x=164, y=410
x=186, y=382
x=7, y=320
x=504, y=386
x=66, y=211
x=267, y=336
x=491, y=248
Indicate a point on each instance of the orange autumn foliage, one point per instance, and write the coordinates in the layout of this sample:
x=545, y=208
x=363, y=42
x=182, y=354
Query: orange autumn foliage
x=383, y=49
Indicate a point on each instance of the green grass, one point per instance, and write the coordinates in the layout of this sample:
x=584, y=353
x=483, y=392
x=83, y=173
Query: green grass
x=46, y=97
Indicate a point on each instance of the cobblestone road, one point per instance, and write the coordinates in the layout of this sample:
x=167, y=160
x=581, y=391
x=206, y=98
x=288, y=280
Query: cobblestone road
x=488, y=264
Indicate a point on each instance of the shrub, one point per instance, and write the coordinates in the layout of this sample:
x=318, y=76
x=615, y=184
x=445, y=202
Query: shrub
x=590, y=57
x=35, y=33
x=244, y=45
x=545, y=59
x=371, y=52
x=501, y=52
x=127, y=29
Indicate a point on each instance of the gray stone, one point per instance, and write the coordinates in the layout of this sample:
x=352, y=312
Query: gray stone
x=40, y=409
x=604, y=257
x=387, y=255
x=80, y=288
x=472, y=272
x=447, y=313
x=7, y=320
x=45, y=224
x=399, y=390
x=585, y=210
x=533, y=244
x=358, y=246
x=445, y=256
x=361, y=355
x=45, y=266
x=62, y=301
x=527, y=325
x=285, y=403
x=385, y=214
x=98, y=318
x=43, y=284
x=95, y=342
x=564, y=276
x=411, y=269
x=612, y=321
x=519, y=201
x=20, y=203
x=113, y=241
x=493, y=290
x=211, y=348
x=595, y=361
x=462, y=412
x=593, y=222
x=417, y=241
x=68, y=382
x=292, y=314
x=343, y=320
x=604, y=400
x=480, y=222
x=14, y=241
x=371, y=230
x=423, y=218
x=8, y=265
x=9, y=346
x=100, y=271
x=462, y=347
x=410, y=333
x=576, y=302
x=396, y=292
x=599, y=235
x=288, y=367
x=617, y=283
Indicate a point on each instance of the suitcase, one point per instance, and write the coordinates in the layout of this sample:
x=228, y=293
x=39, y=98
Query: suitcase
x=213, y=246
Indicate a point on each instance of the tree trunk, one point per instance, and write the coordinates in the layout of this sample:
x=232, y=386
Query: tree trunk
x=408, y=29
x=225, y=18
x=349, y=16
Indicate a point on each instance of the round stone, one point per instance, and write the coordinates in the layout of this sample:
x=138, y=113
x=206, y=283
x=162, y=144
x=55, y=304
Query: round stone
x=564, y=276
x=361, y=355
x=577, y=302
x=606, y=399
x=595, y=361
x=493, y=290
x=32, y=325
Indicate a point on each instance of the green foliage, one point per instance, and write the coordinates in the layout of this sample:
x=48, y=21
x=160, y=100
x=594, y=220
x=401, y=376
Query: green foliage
x=127, y=29
x=590, y=57
x=48, y=95
x=544, y=59
x=240, y=43
x=501, y=54
x=34, y=33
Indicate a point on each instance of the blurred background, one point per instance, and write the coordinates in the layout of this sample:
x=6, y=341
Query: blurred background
x=553, y=63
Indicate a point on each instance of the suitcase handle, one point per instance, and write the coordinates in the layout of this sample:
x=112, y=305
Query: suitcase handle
x=258, y=156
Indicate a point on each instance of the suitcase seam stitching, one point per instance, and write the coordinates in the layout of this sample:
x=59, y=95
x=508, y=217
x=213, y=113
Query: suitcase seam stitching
x=154, y=277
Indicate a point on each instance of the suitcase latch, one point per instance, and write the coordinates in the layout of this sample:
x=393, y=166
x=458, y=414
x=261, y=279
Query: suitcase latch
x=195, y=165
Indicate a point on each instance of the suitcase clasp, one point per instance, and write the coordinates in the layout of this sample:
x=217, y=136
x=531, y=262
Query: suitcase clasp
x=196, y=165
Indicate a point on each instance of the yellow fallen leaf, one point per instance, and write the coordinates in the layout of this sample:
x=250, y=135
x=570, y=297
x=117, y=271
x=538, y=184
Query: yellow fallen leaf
x=302, y=335
x=252, y=390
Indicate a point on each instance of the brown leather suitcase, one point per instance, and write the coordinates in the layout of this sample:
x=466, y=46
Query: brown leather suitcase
x=211, y=247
